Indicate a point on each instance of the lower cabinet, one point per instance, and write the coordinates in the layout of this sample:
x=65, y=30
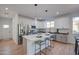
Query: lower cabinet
x=61, y=38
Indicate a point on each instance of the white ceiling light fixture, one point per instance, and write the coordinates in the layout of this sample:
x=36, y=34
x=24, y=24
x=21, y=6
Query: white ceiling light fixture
x=35, y=14
x=5, y=26
x=57, y=13
x=6, y=8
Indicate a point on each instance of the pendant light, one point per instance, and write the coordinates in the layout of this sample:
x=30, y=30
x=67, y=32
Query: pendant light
x=35, y=14
x=46, y=20
x=35, y=4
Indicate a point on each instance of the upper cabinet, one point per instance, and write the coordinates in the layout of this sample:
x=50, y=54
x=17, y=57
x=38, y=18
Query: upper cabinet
x=62, y=23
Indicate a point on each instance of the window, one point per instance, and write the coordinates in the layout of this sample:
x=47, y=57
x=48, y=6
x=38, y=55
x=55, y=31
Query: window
x=76, y=25
x=50, y=24
x=5, y=26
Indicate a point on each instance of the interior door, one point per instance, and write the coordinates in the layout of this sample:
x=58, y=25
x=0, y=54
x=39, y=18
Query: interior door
x=5, y=28
x=6, y=33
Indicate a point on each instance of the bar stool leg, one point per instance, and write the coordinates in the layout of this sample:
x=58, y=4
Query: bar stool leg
x=76, y=46
x=53, y=44
x=35, y=49
x=45, y=47
x=40, y=49
x=49, y=43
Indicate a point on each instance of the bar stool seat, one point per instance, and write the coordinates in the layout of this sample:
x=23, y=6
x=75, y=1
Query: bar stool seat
x=39, y=42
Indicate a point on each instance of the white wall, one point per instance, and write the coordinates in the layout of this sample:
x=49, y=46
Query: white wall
x=15, y=29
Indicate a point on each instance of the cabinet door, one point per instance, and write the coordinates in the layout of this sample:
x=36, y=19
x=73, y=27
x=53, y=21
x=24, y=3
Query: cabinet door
x=58, y=37
x=64, y=38
x=61, y=38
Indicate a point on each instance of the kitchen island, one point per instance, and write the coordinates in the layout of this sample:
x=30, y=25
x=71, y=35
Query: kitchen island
x=29, y=42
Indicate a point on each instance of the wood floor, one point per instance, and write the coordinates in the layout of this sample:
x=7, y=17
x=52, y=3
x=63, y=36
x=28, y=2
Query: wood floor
x=8, y=47
x=59, y=48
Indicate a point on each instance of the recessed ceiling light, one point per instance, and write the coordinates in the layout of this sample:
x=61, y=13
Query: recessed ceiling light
x=57, y=13
x=6, y=8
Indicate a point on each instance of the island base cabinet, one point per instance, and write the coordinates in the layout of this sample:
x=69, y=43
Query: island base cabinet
x=29, y=46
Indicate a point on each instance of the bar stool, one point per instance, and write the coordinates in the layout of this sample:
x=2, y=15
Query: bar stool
x=47, y=43
x=47, y=39
x=40, y=43
x=52, y=38
x=76, y=46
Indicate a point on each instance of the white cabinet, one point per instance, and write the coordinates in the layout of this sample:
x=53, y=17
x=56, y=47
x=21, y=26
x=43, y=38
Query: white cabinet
x=61, y=38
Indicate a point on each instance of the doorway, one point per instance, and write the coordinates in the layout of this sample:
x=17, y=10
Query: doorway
x=5, y=28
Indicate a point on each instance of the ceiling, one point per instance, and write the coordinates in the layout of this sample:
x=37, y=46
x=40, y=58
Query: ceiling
x=38, y=11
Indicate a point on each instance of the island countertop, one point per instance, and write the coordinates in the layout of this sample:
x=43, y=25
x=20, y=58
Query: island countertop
x=36, y=37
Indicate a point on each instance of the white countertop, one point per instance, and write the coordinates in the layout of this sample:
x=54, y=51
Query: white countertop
x=33, y=37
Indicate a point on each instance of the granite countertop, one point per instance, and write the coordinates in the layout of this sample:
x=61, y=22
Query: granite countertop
x=36, y=37
x=59, y=33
